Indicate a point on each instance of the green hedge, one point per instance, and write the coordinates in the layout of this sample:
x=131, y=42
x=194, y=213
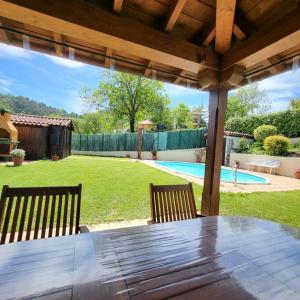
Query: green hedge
x=286, y=122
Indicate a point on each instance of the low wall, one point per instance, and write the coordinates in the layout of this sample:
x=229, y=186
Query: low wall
x=288, y=165
x=187, y=155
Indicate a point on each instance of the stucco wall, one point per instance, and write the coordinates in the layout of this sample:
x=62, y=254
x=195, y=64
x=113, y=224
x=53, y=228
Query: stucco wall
x=173, y=155
x=288, y=165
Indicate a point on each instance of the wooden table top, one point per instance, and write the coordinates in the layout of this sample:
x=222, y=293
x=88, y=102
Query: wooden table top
x=205, y=258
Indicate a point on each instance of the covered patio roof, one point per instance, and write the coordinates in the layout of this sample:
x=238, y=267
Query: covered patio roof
x=211, y=45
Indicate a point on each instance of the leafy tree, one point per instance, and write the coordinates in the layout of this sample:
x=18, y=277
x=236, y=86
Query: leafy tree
x=294, y=104
x=248, y=100
x=127, y=96
x=183, y=117
x=201, y=116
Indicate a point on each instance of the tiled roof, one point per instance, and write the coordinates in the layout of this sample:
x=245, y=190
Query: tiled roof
x=41, y=121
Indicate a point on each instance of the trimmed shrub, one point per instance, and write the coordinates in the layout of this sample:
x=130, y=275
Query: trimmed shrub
x=243, y=146
x=263, y=131
x=286, y=122
x=276, y=145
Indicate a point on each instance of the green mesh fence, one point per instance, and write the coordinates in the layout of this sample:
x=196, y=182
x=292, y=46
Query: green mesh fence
x=161, y=141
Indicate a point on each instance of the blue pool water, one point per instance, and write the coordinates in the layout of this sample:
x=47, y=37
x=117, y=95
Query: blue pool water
x=198, y=170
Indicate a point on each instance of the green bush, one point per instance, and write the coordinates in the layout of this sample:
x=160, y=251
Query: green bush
x=263, y=131
x=276, y=145
x=286, y=122
x=243, y=146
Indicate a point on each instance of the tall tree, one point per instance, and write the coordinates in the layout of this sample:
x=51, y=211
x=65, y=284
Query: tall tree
x=183, y=117
x=248, y=100
x=127, y=96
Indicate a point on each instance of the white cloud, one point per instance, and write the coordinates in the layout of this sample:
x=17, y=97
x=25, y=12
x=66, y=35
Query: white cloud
x=5, y=84
x=8, y=51
x=65, y=62
x=176, y=90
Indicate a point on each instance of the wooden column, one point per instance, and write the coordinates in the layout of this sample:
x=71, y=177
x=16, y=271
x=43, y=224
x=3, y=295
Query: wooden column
x=214, y=152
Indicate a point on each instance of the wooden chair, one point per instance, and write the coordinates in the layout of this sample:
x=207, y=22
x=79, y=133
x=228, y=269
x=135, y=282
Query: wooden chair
x=39, y=212
x=172, y=203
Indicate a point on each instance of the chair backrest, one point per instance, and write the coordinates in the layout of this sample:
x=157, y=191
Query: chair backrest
x=38, y=212
x=172, y=203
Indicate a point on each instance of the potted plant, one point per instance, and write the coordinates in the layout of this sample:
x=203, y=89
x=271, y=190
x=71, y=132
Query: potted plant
x=18, y=156
x=154, y=154
x=297, y=174
x=55, y=157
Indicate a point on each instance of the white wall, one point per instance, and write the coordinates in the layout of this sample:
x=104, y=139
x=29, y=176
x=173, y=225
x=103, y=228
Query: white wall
x=295, y=140
x=173, y=155
x=288, y=165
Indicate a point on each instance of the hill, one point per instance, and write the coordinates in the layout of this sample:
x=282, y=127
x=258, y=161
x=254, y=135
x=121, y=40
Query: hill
x=20, y=104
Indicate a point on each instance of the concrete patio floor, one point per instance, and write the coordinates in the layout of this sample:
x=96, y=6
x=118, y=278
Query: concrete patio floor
x=277, y=183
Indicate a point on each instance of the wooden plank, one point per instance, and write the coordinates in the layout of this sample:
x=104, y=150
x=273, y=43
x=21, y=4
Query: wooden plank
x=178, y=78
x=23, y=218
x=225, y=11
x=270, y=41
x=118, y=6
x=15, y=214
x=30, y=217
x=148, y=70
x=58, y=48
x=214, y=153
x=273, y=69
x=38, y=217
x=176, y=8
x=108, y=30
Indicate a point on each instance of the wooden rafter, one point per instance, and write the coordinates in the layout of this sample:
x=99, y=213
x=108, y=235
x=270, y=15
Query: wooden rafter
x=281, y=36
x=174, y=13
x=109, y=31
x=209, y=36
x=273, y=69
x=225, y=11
x=238, y=32
x=58, y=48
x=148, y=70
x=3, y=34
x=118, y=6
x=178, y=78
x=108, y=55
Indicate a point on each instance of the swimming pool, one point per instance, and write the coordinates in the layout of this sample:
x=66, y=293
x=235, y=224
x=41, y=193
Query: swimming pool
x=198, y=170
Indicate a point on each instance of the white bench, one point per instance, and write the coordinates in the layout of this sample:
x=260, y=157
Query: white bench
x=264, y=163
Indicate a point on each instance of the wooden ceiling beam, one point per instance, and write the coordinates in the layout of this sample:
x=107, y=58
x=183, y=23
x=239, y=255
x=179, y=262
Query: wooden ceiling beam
x=110, y=31
x=174, y=13
x=148, y=70
x=273, y=69
x=117, y=7
x=178, y=78
x=225, y=11
x=209, y=35
x=268, y=42
x=58, y=48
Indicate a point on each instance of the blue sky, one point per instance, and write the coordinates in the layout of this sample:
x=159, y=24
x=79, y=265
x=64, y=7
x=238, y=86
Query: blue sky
x=57, y=82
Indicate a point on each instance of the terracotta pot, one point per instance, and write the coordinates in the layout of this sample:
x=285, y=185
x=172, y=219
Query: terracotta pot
x=18, y=161
x=154, y=157
x=198, y=160
x=55, y=157
x=297, y=174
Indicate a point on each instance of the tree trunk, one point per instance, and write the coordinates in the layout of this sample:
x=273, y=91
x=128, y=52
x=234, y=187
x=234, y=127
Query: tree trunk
x=132, y=123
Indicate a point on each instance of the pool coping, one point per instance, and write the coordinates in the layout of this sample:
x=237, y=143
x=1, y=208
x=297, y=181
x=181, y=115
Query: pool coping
x=202, y=177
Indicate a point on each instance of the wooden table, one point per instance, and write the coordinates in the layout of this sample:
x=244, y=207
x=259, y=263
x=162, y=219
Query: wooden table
x=207, y=258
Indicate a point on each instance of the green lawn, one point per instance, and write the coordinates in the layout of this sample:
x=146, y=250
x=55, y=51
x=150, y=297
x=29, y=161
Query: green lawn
x=118, y=189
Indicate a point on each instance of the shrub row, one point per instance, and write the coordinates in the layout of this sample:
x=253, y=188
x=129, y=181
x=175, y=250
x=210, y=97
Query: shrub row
x=286, y=122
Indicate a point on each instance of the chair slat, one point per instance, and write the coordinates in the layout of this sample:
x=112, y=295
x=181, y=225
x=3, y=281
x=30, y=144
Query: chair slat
x=72, y=214
x=58, y=216
x=52, y=214
x=30, y=217
x=22, y=220
x=48, y=206
x=172, y=203
x=15, y=214
x=65, y=214
x=38, y=217
x=45, y=217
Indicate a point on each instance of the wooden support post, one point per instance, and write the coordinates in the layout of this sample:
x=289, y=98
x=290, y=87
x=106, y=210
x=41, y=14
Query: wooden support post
x=140, y=141
x=214, y=152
